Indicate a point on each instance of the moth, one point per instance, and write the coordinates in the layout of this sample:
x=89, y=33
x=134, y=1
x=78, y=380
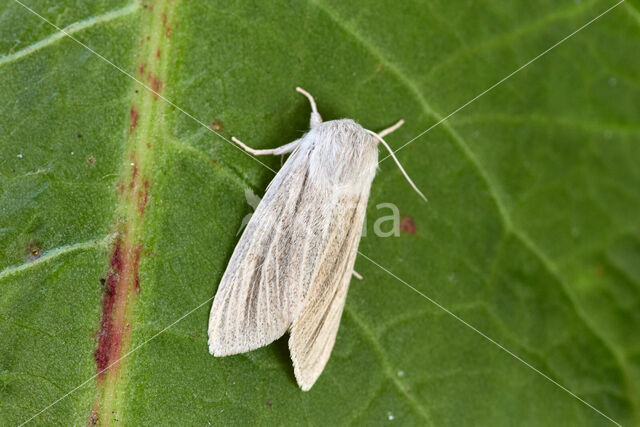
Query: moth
x=291, y=268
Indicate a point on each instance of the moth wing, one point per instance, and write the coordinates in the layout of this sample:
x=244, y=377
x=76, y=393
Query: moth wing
x=272, y=267
x=314, y=332
x=254, y=302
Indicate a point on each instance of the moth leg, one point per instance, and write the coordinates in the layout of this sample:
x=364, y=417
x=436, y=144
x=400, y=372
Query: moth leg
x=356, y=275
x=315, y=119
x=283, y=149
x=388, y=130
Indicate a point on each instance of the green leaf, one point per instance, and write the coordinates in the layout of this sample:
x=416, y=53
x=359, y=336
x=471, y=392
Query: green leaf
x=119, y=210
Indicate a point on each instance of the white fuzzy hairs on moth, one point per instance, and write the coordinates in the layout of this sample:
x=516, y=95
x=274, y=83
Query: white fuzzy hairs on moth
x=291, y=268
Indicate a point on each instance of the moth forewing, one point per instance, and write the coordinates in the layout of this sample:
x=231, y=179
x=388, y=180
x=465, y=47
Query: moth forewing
x=253, y=306
x=292, y=266
x=313, y=333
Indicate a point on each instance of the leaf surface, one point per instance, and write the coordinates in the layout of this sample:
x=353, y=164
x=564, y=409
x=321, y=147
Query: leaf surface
x=119, y=210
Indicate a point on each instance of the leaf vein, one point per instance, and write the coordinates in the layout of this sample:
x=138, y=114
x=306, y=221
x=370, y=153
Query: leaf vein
x=377, y=348
x=69, y=29
x=52, y=254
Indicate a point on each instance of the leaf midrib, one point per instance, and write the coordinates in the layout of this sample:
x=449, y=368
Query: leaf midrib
x=143, y=129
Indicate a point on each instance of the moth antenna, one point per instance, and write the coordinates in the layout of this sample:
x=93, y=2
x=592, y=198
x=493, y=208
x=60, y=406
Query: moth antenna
x=382, y=141
x=316, y=119
x=388, y=130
